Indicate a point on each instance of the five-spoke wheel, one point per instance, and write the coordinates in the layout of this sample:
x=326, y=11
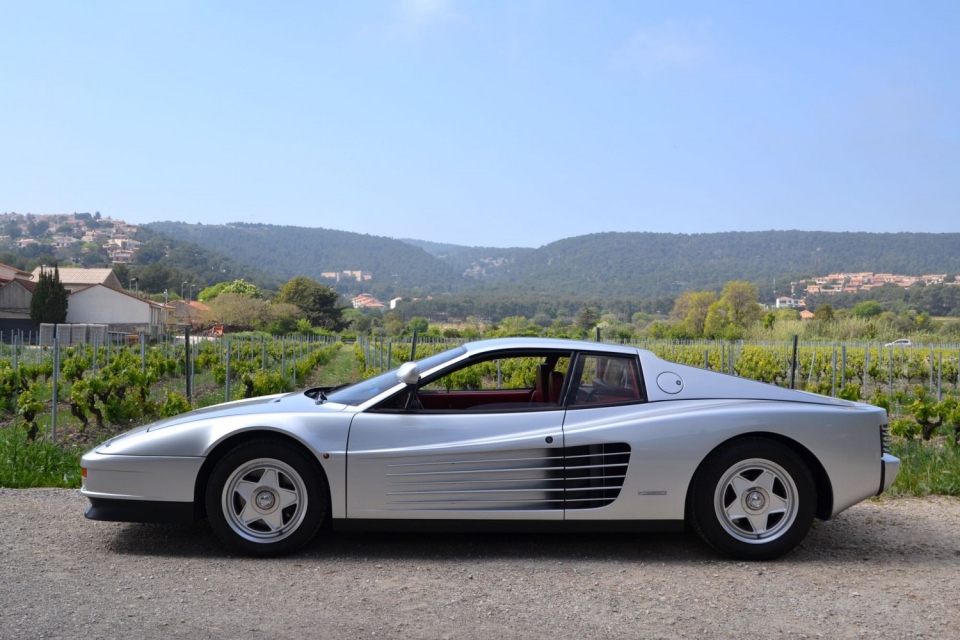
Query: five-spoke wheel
x=266, y=498
x=753, y=499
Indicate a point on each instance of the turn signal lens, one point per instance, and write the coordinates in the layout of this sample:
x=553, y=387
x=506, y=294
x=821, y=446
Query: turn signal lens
x=83, y=472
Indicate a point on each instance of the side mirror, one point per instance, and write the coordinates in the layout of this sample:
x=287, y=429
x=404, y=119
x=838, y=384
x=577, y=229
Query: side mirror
x=408, y=373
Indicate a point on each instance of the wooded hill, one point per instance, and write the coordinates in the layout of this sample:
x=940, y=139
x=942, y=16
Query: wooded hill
x=645, y=265
x=288, y=252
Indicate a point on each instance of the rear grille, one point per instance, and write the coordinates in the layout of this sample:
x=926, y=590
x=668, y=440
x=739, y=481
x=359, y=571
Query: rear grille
x=884, y=439
x=594, y=474
x=583, y=477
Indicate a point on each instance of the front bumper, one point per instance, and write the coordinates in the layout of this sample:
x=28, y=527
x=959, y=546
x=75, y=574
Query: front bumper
x=890, y=467
x=153, y=511
x=143, y=478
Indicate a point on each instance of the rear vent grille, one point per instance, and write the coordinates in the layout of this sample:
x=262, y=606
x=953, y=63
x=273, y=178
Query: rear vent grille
x=593, y=474
x=884, y=439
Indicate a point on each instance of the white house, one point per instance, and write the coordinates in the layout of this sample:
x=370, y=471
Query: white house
x=783, y=302
x=100, y=304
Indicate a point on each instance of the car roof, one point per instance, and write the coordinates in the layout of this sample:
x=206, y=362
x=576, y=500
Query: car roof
x=494, y=344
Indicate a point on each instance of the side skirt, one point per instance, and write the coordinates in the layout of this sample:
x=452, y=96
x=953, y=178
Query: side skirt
x=510, y=526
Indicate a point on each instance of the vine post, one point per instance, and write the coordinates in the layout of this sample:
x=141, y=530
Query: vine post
x=793, y=362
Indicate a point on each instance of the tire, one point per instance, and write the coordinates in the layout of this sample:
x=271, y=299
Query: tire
x=753, y=499
x=266, y=498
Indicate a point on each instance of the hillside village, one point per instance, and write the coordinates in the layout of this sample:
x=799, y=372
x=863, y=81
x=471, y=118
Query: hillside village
x=72, y=235
x=853, y=283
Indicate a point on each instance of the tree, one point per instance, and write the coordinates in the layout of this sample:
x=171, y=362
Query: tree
x=240, y=287
x=240, y=312
x=418, y=324
x=824, y=313
x=317, y=301
x=243, y=288
x=587, y=318
x=12, y=228
x=37, y=228
x=867, y=309
x=740, y=299
x=692, y=308
x=49, y=302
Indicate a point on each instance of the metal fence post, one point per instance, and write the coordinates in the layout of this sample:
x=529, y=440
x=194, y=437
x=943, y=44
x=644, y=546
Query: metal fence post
x=833, y=377
x=793, y=362
x=226, y=392
x=843, y=366
x=187, y=364
x=891, y=371
x=56, y=379
x=940, y=377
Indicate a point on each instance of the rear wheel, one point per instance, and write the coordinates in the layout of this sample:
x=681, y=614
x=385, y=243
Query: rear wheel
x=266, y=498
x=754, y=499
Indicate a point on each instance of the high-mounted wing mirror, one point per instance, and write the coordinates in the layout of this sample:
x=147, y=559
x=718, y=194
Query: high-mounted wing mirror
x=408, y=373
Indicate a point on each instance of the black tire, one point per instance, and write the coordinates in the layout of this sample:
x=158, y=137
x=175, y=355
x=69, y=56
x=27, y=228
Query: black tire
x=753, y=499
x=266, y=498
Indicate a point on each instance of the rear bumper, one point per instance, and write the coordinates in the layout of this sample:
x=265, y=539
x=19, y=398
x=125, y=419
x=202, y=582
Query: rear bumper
x=889, y=468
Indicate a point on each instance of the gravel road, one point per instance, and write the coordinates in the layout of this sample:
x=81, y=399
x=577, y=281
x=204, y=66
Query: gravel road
x=886, y=568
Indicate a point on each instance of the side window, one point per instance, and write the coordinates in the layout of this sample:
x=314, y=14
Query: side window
x=504, y=374
x=605, y=379
x=500, y=382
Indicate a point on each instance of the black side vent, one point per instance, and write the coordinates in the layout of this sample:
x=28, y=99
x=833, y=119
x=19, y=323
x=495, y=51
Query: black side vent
x=884, y=439
x=593, y=474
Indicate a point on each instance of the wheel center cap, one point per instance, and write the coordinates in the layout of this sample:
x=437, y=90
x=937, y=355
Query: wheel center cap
x=755, y=500
x=265, y=500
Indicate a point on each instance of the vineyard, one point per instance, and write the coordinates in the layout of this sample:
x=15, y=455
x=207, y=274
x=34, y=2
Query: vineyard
x=71, y=398
x=55, y=402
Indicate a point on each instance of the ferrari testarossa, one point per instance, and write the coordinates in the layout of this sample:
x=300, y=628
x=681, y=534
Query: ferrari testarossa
x=511, y=434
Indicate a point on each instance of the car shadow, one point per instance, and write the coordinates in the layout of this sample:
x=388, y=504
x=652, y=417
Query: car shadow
x=839, y=540
x=199, y=540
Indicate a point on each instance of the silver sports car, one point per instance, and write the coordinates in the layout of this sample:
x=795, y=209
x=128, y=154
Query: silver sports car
x=510, y=434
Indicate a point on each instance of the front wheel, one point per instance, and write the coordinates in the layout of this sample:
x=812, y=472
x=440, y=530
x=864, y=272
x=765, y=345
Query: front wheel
x=266, y=498
x=754, y=499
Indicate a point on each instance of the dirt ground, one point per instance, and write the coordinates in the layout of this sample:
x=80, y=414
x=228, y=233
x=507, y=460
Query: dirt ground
x=888, y=569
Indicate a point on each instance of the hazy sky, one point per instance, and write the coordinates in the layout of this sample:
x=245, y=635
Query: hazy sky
x=510, y=123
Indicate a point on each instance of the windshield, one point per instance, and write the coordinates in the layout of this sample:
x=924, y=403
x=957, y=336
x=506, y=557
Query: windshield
x=357, y=394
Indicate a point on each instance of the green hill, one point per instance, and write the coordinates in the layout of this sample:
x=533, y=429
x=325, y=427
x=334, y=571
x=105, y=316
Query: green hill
x=287, y=252
x=642, y=265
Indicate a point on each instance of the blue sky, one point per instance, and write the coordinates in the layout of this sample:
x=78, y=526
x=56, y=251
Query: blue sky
x=490, y=123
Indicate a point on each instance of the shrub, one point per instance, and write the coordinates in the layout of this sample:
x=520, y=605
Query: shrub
x=173, y=405
x=904, y=428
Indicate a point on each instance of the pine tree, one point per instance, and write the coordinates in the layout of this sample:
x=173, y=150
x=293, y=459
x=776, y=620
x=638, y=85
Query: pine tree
x=49, y=302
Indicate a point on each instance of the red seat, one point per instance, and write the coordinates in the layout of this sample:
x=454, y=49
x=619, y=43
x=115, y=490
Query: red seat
x=555, y=387
x=541, y=393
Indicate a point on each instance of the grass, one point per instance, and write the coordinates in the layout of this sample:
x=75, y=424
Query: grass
x=926, y=467
x=40, y=463
x=341, y=369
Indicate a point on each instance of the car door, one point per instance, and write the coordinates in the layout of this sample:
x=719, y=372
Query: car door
x=465, y=454
x=603, y=398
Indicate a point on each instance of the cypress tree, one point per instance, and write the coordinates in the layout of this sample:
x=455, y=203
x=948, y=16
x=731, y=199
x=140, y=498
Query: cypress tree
x=49, y=302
